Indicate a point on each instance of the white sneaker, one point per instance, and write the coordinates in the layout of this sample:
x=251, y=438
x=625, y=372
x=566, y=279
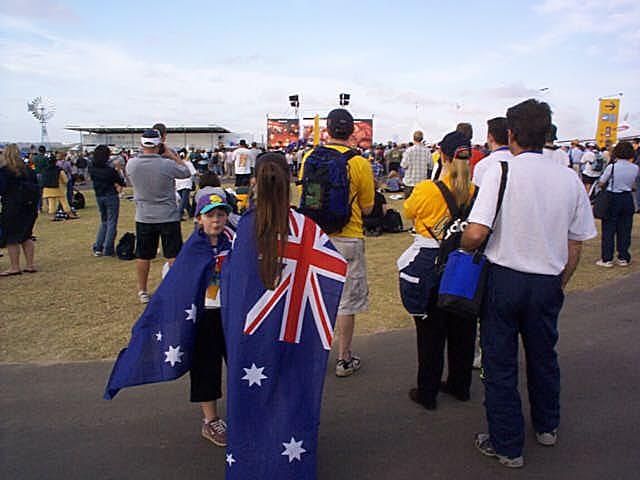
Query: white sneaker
x=144, y=296
x=622, y=263
x=548, y=439
x=602, y=263
x=477, y=360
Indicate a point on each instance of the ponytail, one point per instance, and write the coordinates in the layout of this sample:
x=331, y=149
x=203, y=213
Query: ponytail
x=460, y=181
x=272, y=215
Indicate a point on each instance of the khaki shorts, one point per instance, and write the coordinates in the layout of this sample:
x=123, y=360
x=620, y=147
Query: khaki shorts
x=355, y=294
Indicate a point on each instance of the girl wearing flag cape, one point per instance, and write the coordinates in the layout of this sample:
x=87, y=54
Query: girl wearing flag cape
x=180, y=329
x=281, y=285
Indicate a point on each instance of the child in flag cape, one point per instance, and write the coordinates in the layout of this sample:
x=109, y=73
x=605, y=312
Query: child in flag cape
x=180, y=329
x=212, y=213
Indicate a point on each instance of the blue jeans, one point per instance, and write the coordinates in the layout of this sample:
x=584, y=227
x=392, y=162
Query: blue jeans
x=70, y=191
x=109, y=207
x=526, y=305
x=184, y=201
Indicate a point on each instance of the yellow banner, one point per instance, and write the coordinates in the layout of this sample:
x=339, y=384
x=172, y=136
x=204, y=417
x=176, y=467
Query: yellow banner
x=608, y=113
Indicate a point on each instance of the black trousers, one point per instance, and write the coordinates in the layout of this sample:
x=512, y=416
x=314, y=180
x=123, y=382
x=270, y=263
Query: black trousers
x=208, y=351
x=433, y=331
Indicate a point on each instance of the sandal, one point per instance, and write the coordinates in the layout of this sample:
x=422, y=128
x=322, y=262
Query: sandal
x=29, y=270
x=9, y=274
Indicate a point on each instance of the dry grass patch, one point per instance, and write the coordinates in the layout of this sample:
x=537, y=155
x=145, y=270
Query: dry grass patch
x=79, y=307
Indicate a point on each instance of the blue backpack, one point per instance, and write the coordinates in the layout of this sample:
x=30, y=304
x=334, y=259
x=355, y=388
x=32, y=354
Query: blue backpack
x=325, y=188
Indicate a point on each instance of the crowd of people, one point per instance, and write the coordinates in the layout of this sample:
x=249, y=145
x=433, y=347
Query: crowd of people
x=487, y=197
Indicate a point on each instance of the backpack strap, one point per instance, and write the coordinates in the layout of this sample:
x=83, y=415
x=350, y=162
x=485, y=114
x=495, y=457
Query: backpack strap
x=448, y=197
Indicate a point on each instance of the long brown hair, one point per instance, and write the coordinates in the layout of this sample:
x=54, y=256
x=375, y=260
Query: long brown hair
x=272, y=215
x=12, y=159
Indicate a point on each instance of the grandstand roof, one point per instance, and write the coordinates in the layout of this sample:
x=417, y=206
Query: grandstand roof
x=140, y=129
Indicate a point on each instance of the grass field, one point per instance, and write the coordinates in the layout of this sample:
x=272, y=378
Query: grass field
x=79, y=307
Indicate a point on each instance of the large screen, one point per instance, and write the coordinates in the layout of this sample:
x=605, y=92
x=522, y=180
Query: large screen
x=282, y=132
x=285, y=131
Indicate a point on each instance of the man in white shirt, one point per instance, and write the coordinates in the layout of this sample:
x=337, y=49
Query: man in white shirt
x=255, y=151
x=590, y=174
x=534, y=249
x=242, y=164
x=550, y=150
x=416, y=162
x=497, y=139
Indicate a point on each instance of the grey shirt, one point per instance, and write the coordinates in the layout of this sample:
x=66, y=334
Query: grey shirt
x=153, y=178
x=624, y=176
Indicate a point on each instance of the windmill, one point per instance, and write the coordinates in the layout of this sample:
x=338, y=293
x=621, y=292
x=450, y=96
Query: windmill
x=42, y=109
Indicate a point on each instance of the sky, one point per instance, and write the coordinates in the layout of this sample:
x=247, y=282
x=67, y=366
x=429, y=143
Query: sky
x=409, y=64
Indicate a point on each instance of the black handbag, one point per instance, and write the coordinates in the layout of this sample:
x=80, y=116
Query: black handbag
x=602, y=200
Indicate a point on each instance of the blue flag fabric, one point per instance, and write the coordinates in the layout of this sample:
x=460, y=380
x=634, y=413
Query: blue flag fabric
x=162, y=339
x=278, y=344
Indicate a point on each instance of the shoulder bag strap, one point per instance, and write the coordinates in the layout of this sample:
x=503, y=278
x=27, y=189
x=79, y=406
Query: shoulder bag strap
x=503, y=185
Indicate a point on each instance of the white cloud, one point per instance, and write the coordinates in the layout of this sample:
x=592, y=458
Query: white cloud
x=37, y=9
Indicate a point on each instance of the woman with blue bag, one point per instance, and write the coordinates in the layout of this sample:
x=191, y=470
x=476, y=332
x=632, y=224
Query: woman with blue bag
x=419, y=277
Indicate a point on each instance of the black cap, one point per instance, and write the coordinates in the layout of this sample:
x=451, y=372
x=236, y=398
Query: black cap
x=340, y=123
x=454, y=141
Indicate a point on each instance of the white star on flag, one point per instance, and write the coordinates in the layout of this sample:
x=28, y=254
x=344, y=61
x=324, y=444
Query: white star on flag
x=293, y=449
x=230, y=460
x=173, y=355
x=158, y=336
x=254, y=375
x=191, y=313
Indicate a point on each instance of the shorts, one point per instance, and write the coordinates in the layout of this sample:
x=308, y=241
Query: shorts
x=243, y=179
x=208, y=351
x=355, y=294
x=588, y=179
x=148, y=235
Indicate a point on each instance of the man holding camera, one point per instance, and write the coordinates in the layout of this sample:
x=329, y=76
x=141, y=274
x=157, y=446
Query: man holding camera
x=157, y=215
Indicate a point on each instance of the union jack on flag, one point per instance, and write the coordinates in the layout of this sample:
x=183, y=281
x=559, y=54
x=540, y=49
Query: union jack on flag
x=306, y=256
x=278, y=344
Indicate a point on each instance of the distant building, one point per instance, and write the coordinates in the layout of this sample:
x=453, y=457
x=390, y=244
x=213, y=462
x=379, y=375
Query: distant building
x=189, y=136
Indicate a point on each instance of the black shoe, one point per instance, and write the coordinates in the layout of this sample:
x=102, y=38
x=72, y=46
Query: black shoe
x=463, y=397
x=415, y=397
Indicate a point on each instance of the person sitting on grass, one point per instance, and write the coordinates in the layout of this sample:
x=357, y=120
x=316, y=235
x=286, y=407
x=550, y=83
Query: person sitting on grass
x=394, y=183
x=373, y=221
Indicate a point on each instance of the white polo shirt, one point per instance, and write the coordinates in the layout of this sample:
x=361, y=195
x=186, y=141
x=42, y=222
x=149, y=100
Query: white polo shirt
x=496, y=156
x=557, y=154
x=544, y=206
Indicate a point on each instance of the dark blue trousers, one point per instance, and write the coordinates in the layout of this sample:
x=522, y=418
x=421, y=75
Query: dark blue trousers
x=526, y=305
x=618, y=226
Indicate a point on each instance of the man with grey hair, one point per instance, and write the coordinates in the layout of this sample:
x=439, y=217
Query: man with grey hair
x=416, y=162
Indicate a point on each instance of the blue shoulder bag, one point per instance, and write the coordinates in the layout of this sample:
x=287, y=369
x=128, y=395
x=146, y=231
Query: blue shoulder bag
x=463, y=280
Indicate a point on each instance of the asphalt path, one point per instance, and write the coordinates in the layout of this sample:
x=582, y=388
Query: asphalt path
x=54, y=423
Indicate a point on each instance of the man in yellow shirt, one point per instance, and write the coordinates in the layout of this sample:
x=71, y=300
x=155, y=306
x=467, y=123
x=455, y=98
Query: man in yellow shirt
x=350, y=240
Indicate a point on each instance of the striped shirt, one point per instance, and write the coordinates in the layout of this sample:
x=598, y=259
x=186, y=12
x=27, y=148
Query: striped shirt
x=416, y=163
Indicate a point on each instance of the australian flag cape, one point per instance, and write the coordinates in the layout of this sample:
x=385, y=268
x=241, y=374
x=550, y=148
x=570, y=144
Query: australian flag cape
x=162, y=339
x=278, y=343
